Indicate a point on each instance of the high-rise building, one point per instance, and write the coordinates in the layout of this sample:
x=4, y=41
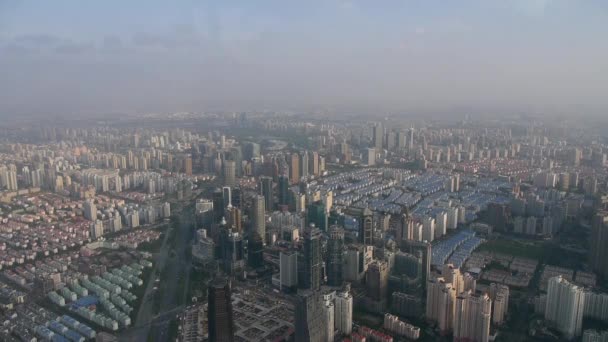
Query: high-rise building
x=266, y=191
x=376, y=281
x=378, y=136
x=598, y=251
x=366, y=227
x=229, y=173
x=283, y=190
x=90, y=210
x=188, y=165
x=440, y=303
x=310, y=318
x=344, y=313
x=258, y=217
x=472, y=317
x=255, y=251
x=316, y=214
x=369, y=156
x=227, y=193
x=565, y=306
x=218, y=205
x=421, y=250
x=405, y=227
x=356, y=260
x=428, y=229
x=288, y=270
x=294, y=168
x=313, y=164
x=335, y=256
x=500, y=302
x=313, y=262
x=304, y=164
x=220, y=319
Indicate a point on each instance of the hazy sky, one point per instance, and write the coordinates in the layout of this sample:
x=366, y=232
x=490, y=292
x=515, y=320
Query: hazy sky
x=86, y=57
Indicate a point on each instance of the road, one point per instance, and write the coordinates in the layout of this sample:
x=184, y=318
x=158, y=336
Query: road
x=175, y=281
x=174, y=265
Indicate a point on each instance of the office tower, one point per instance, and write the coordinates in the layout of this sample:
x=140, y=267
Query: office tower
x=231, y=249
x=218, y=205
x=499, y=294
x=229, y=173
x=376, y=281
x=472, y=317
x=356, y=260
x=235, y=197
x=378, y=136
x=313, y=261
x=258, y=218
x=90, y=210
x=227, y=194
x=316, y=214
x=304, y=164
x=255, y=251
x=235, y=220
x=410, y=145
x=369, y=156
x=294, y=168
x=219, y=312
x=188, y=165
x=313, y=163
x=598, y=251
x=576, y=156
x=366, y=227
x=283, y=190
x=344, y=313
x=251, y=150
x=421, y=250
x=565, y=306
x=405, y=227
x=335, y=256
x=310, y=319
x=440, y=304
x=266, y=191
x=288, y=270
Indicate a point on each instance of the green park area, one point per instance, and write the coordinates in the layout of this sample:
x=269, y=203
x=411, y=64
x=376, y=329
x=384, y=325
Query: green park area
x=543, y=251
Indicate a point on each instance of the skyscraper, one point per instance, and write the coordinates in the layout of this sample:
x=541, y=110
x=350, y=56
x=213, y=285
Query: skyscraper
x=472, y=317
x=283, y=190
x=218, y=205
x=266, y=191
x=316, y=214
x=405, y=227
x=376, y=281
x=335, y=256
x=304, y=164
x=312, y=262
x=366, y=227
x=378, y=136
x=310, y=319
x=440, y=301
x=229, y=173
x=188, y=165
x=90, y=210
x=288, y=269
x=294, y=168
x=344, y=313
x=258, y=218
x=220, y=320
x=565, y=306
x=598, y=251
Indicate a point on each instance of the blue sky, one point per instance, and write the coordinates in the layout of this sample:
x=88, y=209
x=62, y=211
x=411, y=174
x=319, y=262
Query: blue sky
x=91, y=57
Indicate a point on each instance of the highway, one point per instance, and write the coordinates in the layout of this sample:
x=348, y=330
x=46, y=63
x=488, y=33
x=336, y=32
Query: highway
x=174, y=266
